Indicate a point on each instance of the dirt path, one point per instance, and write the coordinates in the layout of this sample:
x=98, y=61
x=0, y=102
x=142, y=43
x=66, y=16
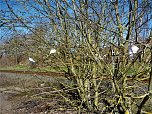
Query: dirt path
x=16, y=89
x=5, y=105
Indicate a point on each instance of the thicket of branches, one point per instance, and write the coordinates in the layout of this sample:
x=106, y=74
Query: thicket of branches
x=92, y=40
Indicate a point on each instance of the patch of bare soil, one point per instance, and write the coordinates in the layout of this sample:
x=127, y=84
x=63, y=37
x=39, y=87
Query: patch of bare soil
x=39, y=106
x=5, y=105
x=30, y=94
x=24, y=94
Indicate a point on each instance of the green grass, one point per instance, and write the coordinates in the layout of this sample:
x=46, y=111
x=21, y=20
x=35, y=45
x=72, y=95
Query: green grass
x=46, y=69
x=16, y=67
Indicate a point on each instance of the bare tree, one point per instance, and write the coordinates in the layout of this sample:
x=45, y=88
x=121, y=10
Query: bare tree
x=79, y=30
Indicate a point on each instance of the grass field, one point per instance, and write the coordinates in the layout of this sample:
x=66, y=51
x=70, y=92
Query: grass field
x=24, y=67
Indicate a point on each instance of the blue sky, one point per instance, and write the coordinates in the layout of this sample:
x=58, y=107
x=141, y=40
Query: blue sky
x=28, y=14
